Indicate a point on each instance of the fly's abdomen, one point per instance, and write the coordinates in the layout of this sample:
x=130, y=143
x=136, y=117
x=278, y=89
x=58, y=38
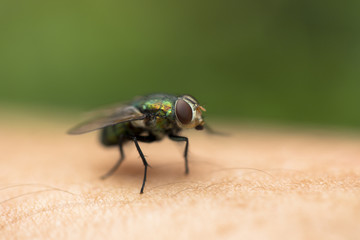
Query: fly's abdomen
x=110, y=135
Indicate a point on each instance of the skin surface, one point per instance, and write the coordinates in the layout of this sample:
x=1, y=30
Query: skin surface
x=257, y=183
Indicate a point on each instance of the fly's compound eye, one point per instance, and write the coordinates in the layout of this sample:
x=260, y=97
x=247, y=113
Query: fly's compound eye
x=183, y=112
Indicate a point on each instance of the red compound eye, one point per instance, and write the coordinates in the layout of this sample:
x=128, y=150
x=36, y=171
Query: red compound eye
x=183, y=111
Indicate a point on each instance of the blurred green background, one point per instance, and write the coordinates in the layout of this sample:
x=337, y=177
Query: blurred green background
x=286, y=61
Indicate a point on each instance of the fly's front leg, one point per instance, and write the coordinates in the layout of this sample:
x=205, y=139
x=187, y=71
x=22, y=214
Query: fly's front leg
x=186, y=140
x=116, y=166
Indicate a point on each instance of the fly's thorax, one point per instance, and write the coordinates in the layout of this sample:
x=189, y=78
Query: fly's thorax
x=155, y=123
x=160, y=107
x=159, y=124
x=188, y=113
x=159, y=110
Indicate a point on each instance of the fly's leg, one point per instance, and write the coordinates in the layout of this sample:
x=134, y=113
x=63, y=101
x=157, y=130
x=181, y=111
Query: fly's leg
x=186, y=140
x=144, y=162
x=116, y=166
x=150, y=138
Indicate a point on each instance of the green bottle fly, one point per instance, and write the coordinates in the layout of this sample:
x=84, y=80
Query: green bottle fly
x=146, y=119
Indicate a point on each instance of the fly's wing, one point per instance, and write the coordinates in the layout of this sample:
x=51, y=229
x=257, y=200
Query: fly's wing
x=109, y=117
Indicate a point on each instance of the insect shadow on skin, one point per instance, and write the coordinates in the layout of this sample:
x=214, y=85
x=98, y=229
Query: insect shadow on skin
x=146, y=119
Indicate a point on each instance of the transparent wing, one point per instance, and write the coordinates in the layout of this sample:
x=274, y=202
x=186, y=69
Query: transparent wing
x=108, y=117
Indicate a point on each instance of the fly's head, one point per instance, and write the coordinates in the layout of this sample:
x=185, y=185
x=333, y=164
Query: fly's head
x=188, y=113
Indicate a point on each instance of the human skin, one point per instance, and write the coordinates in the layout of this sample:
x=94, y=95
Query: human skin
x=257, y=183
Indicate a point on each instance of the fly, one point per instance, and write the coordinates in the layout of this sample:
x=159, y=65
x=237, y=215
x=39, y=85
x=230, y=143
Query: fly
x=146, y=119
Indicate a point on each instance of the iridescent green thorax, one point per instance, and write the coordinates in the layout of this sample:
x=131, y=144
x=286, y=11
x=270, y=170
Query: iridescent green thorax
x=161, y=107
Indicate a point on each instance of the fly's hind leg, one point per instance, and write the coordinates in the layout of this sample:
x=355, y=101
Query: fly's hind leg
x=117, y=164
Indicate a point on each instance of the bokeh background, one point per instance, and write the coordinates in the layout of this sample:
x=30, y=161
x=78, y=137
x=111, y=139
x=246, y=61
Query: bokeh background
x=282, y=61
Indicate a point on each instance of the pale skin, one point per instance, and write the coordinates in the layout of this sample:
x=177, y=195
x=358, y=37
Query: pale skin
x=257, y=183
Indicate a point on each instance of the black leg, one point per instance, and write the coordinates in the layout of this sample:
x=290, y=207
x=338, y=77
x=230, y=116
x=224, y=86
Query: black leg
x=116, y=166
x=186, y=140
x=144, y=161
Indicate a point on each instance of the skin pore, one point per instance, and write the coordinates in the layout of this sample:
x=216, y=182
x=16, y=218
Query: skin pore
x=256, y=183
